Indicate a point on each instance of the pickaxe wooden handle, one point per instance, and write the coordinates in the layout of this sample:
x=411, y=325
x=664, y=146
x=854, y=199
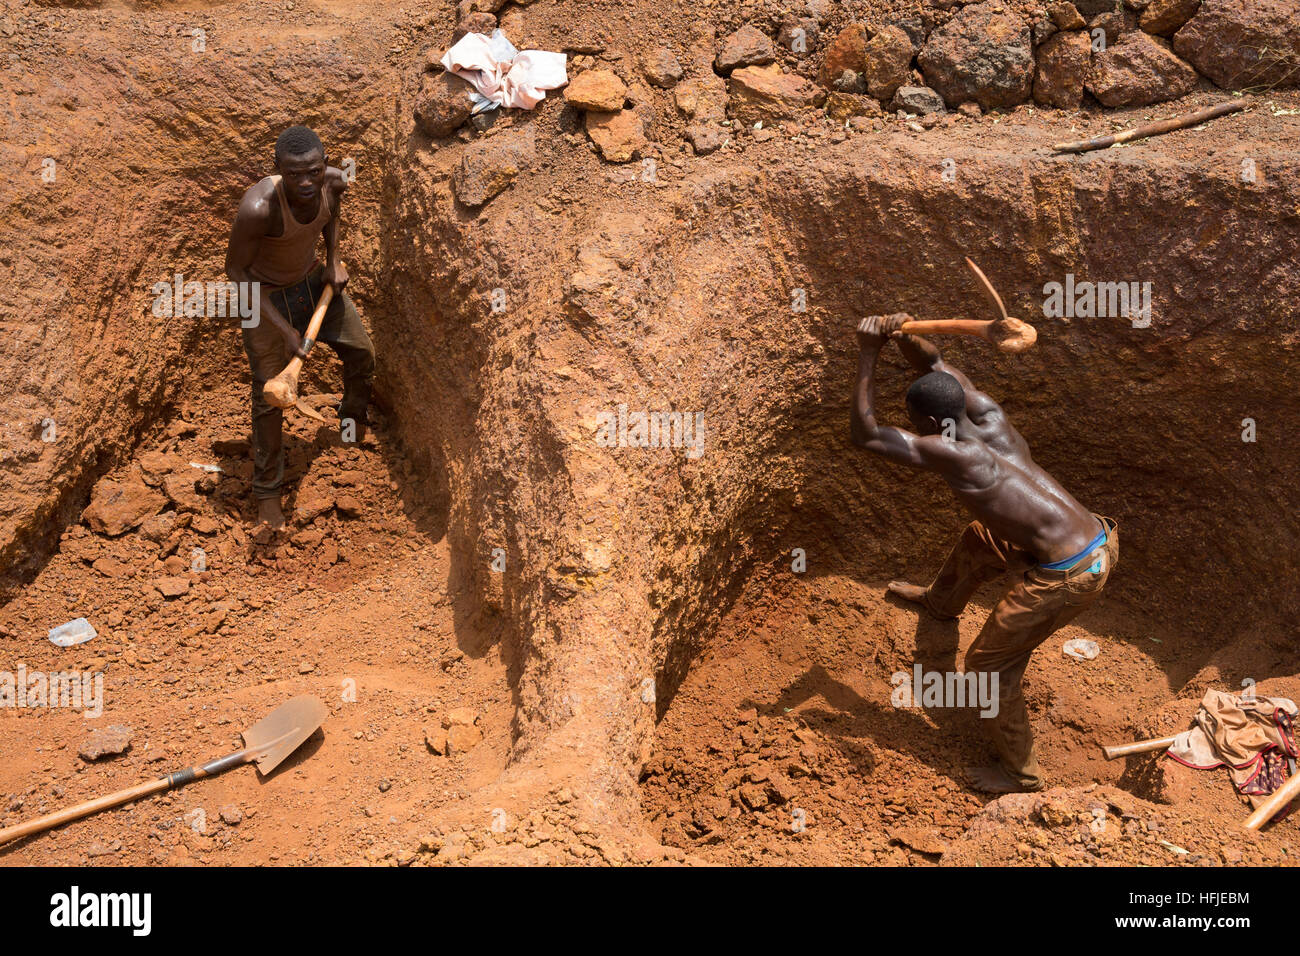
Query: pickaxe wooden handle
x=1140, y=747
x=1009, y=335
x=282, y=391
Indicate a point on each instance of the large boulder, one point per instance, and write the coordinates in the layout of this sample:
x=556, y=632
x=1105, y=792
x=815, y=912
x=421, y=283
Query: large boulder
x=765, y=93
x=748, y=46
x=1242, y=43
x=847, y=51
x=1137, y=71
x=1062, y=70
x=984, y=55
x=1164, y=17
x=888, y=62
x=118, y=506
x=442, y=104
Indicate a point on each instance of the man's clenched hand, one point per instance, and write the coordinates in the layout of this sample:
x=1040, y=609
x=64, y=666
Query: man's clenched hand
x=874, y=329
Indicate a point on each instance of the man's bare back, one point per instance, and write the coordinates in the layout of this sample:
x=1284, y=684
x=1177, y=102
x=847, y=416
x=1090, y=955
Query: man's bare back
x=981, y=456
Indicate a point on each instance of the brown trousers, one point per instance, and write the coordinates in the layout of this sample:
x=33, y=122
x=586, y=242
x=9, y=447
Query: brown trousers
x=1040, y=603
x=341, y=330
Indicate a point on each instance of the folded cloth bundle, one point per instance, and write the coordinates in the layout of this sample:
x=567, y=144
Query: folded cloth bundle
x=1251, y=736
x=502, y=75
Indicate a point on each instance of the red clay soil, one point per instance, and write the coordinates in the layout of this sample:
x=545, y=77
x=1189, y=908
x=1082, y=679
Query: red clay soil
x=647, y=680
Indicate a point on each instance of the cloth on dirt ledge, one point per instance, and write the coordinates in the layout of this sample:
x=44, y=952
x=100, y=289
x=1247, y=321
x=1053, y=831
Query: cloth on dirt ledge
x=1252, y=736
x=502, y=75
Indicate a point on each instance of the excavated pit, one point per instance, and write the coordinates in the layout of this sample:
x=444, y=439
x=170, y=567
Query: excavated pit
x=647, y=603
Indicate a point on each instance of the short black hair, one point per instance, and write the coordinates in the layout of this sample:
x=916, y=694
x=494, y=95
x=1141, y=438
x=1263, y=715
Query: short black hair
x=938, y=395
x=297, y=141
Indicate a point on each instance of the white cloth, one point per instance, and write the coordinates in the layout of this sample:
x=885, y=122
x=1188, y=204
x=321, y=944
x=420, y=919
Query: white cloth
x=502, y=75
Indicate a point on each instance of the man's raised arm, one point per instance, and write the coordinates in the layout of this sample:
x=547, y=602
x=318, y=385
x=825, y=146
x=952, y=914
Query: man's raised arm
x=864, y=431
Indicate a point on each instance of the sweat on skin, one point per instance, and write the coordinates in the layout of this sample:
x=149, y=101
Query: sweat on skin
x=1025, y=522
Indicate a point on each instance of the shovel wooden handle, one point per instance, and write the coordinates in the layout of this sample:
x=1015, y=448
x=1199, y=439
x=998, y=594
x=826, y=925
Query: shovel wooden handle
x=129, y=795
x=1140, y=747
x=1274, y=804
x=282, y=391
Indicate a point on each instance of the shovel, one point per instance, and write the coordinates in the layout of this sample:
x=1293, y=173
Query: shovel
x=267, y=743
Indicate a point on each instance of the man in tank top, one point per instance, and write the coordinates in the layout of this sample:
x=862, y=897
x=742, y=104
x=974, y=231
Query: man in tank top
x=274, y=242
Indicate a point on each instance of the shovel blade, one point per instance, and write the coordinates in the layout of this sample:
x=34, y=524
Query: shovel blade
x=283, y=730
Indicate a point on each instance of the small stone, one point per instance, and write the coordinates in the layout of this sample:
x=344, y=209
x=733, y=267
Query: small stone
x=306, y=667
x=105, y=742
x=231, y=815
x=118, y=506
x=172, y=587
x=918, y=100
x=349, y=506
x=888, y=59
x=460, y=717
x=847, y=51
x=1066, y=15
x=461, y=739
x=661, y=67
x=766, y=93
x=596, y=90
x=619, y=136
x=705, y=138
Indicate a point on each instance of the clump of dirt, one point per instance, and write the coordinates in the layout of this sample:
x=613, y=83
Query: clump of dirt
x=651, y=678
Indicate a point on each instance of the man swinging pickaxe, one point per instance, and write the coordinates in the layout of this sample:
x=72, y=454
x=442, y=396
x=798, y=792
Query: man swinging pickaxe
x=1026, y=523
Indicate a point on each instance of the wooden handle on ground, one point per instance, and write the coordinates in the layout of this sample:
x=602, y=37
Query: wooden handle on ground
x=1271, y=807
x=1140, y=747
x=177, y=779
x=282, y=391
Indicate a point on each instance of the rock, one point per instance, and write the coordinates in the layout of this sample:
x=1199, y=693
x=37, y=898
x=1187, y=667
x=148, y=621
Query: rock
x=971, y=110
x=748, y=46
x=489, y=166
x=171, y=587
x=1090, y=8
x=443, y=104
x=476, y=21
x=914, y=27
x=179, y=489
x=596, y=90
x=922, y=840
x=105, y=742
x=1137, y=71
x=661, y=67
x=1065, y=16
x=157, y=527
x=840, y=106
x=847, y=51
x=1114, y=24
x=435, y=738
x=205, y=525
x=1239, y=43
x=917, y=99
x=1062, y=70
x=983, y=54
x=118, y=506
x=1042, y=29
x=460, y=717
x=703, y=98
x=705, y=138
x=850, y=82
x=1165, y=17
x=349, y=506
x=796, y=34
x=765, y=93
x=231, y=815
x=619, y=136
x=888, y=61
x=754, y=796
x=461, y=739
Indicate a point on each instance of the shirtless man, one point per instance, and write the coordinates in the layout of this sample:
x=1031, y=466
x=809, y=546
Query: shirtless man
x=273, y=242
x=1026, y=523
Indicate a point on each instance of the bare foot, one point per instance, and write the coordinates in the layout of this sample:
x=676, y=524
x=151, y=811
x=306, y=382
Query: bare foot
x=995, y=780
x=270, y=513
x=908, y=592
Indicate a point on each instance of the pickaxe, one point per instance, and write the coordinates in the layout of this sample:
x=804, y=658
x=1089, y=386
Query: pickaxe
x=1007, y=333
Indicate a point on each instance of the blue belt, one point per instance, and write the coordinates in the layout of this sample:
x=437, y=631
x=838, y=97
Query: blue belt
x=1075, y=559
